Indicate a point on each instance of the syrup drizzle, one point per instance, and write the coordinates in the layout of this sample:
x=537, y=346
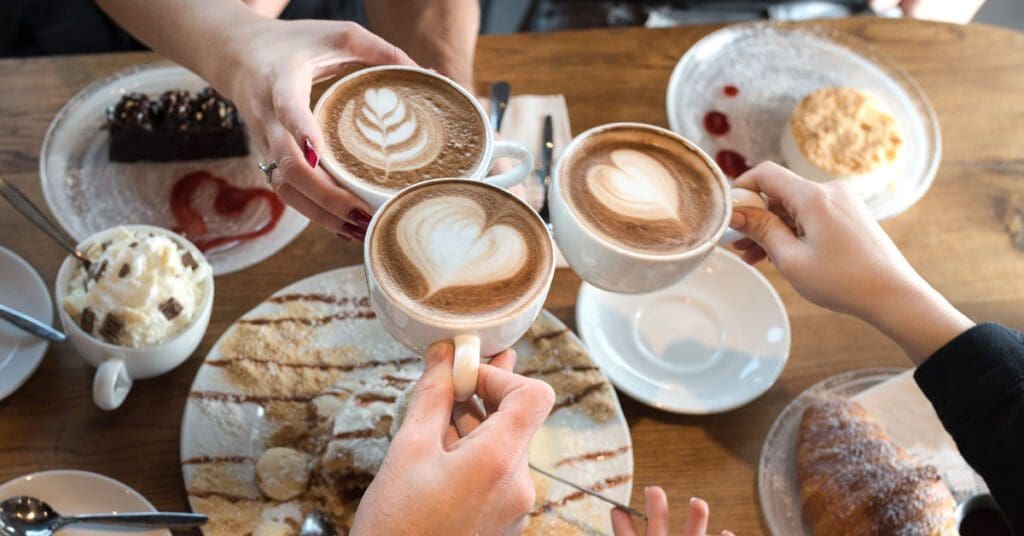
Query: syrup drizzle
x=230, y=201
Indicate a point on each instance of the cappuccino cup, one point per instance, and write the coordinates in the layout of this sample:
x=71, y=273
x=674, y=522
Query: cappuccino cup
x=390, y=127
x=458, y=260
x=635, y=207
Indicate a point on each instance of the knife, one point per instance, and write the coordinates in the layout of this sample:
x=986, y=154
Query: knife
x=617, y=504
x=546, y=150
x=31, y=325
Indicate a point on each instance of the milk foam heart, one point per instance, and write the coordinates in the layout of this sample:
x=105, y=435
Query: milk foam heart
x=449, y=242
x=390, y=131
x=635, y=185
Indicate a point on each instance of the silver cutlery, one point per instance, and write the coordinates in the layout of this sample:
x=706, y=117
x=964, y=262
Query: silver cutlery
x=500, y=93
x=28, y=516
x=31, y=325
x=617, y=504
x=317, y=524
x=36, y=216
x=546, y=151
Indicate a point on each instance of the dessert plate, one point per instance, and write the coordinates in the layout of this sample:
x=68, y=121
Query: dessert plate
x=772, y=66
x=316, y=345
x=20, y=353
x=72, y=492
x=710, y=343
x=88, y=193
x=777, y=484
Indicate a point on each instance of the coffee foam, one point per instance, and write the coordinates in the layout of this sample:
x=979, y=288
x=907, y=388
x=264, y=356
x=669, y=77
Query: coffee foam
x=642, y=191
x=389, y=129
x=460, y=249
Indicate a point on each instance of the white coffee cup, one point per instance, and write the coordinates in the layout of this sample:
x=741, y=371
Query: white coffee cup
x=119, y=366
x=493, y=149
x=616, y=269
x=471, y=338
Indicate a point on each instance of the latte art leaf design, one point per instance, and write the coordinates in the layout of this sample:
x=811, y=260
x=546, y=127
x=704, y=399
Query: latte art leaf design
x=447, y=239
x=636, y=185
x=390, y=131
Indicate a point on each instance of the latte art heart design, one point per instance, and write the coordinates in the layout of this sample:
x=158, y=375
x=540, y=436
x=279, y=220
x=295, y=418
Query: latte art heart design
x=390, y=132
x=635, y=185
x=449, y=242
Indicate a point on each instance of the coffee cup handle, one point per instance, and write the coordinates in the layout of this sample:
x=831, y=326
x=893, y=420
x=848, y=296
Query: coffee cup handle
x=741, y=197
x=111, y=384
x=466, y=367
x=515, y=151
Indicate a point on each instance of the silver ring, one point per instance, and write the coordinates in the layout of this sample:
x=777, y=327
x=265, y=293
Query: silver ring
x=267, y=169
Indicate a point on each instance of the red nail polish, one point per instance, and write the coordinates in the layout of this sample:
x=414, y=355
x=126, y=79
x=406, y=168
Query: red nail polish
x=359, y=217
x=311, y=157
x=357, y=232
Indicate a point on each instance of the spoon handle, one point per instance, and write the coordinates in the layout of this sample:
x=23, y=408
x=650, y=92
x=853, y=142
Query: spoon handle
x=500, y=91
x=31, y=325
x=34, y=215
x=142, y=520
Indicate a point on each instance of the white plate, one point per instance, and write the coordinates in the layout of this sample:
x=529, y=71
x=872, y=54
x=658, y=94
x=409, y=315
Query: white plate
x=223, y=433
x=710, y=343
x=20, y=353
x=774, y=66
x=777, y=484
x=72, y=492
x=87, y=193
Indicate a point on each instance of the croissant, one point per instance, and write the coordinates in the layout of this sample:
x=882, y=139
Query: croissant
x=854, y=480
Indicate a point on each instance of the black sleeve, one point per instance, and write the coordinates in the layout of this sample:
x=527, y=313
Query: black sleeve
x=976, y=383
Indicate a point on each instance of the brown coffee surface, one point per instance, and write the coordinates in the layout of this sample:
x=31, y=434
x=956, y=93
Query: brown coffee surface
x=642, y=190
x=459, y=249
x=392, y=128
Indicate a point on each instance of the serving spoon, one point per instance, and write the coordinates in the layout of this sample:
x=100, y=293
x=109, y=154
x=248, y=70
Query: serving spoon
x=29, y=516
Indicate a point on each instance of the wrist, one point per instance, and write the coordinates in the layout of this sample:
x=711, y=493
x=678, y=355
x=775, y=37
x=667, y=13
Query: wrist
x=236, y=50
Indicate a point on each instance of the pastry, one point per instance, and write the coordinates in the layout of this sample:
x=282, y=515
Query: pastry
x=855, y=481
x=282, y=473
x=839, y=133
x=175, y=126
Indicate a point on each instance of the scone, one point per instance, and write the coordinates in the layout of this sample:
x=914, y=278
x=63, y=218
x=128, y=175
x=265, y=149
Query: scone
x=839, y=133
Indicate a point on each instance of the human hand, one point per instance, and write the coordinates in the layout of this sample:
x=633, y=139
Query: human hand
x=435, y=480
x=657, y=517
x=271, y=69
x=823, y=239
x=956, y=11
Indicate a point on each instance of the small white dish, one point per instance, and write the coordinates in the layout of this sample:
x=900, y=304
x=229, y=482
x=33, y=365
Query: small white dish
x=72, y=492
x=20, y=353
x=710, y=343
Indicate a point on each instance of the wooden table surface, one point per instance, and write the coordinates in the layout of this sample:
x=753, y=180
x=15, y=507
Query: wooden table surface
x=956, y=236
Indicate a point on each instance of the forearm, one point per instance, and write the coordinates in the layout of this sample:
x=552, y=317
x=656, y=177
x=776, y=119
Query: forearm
x=194, y=33
x=438, y=34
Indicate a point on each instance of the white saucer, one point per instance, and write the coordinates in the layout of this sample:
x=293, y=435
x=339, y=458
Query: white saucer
x=710, y=343
x=20, y=353
x=80, y=492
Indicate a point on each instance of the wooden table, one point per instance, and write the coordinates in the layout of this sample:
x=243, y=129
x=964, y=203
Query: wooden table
x=956, y=237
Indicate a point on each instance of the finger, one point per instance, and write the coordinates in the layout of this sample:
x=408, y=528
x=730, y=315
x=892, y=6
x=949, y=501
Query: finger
x=356, y=44
x=697, y=519
x=766, y=228
x=505, y=361
x=754, y=255
x=313, y=183
x=291, y=106
x=727, y=533
x=657, y=512
x=451, y=437
x=744, y=244
x=430, y=406
x=780, y=184
x=311, y=210
x=522, y=405
x=622, y=523
x=467, y=416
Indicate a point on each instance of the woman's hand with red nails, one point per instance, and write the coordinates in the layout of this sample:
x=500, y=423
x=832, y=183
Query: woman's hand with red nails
x=272, y=69
x=656, y=506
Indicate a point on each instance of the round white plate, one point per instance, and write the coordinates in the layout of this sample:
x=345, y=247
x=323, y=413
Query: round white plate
x=87, y=193
x=778, y=487
x=225, y=426
x=72, y=492
x=20, y=353
x=710, y=343
x=774, y=66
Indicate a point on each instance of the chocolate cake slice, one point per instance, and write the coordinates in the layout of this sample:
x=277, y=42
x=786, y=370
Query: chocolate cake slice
x=175, y=126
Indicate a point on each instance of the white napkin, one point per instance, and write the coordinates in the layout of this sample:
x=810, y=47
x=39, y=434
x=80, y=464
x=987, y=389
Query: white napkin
x=900, y=406
x=524, y=123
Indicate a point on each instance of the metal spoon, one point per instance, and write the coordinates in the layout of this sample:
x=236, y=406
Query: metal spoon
x=317, y=524
x=28, y=516
x=21, y=203
x=547, y=149
x=26, y=323
x=500, y=92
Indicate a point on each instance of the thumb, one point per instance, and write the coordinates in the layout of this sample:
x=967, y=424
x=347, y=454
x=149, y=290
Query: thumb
x=356, y=44
x=430, y=406
x=766, y=228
